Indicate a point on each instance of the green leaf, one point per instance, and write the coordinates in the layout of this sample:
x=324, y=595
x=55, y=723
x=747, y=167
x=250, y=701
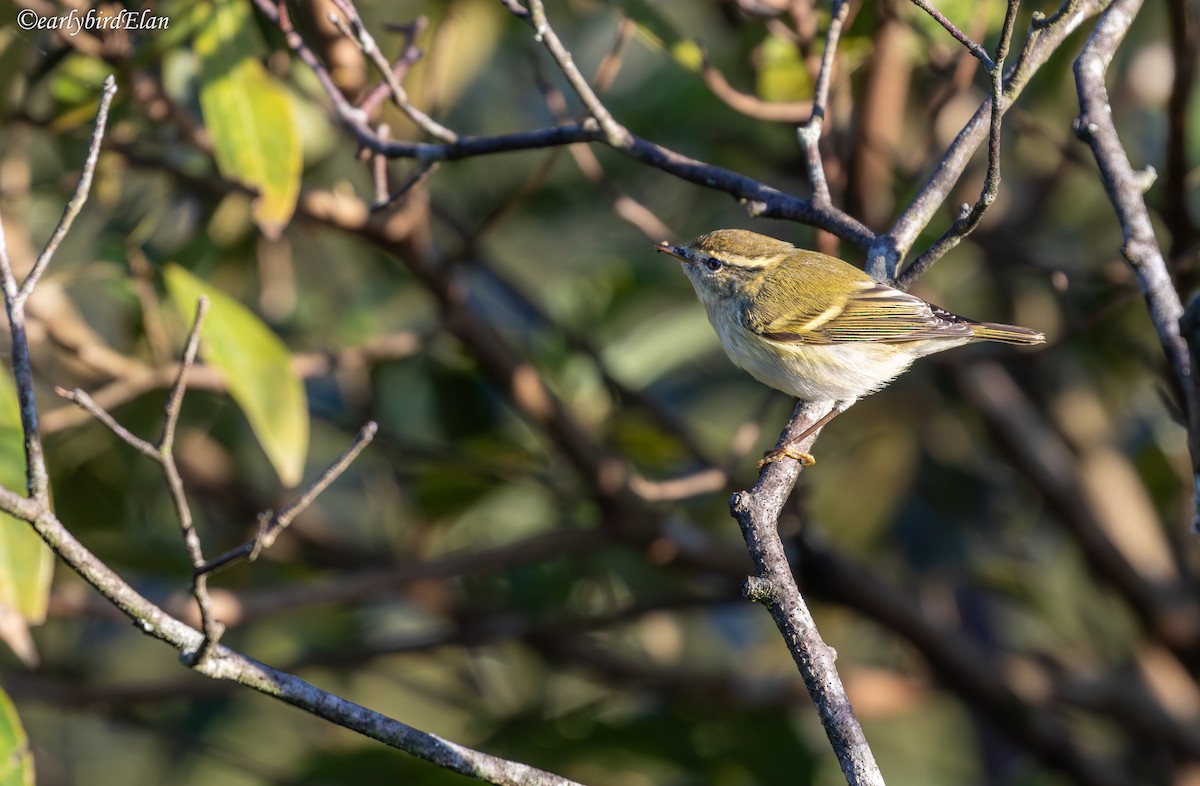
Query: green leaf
x=26, y=564
x=257, y=370
x=16, y=760
x=249, y=115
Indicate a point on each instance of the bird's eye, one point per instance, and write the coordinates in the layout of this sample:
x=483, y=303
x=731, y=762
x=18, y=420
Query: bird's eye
x=714, y=264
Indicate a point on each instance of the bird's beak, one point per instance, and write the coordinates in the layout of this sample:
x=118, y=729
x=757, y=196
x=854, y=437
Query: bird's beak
x=675, y=251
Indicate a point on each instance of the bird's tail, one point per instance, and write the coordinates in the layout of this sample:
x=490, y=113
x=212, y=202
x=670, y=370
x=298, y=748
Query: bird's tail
x=1008, y=334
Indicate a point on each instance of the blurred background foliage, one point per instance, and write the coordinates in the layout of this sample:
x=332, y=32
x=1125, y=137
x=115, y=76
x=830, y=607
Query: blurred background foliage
x=463, y=577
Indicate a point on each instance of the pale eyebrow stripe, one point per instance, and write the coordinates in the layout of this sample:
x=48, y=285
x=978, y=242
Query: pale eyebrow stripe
x=746, y=263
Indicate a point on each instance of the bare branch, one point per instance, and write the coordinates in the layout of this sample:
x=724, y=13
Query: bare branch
x=175, y=398
x=227, y=664
x=162, y=454
x=85, y=402
x=809, y=134
x=201, y=650
x=37, y=480
x=79, y=198
x=271, y=525
x=353, y=28
x=375, y=97
x=422, y=173
x=969, y=219
x=166, y=458
x=757, y=513
x=616, y=135
x=977, y=51
x=759, y=199
x=1125, y=187
x=885, y=253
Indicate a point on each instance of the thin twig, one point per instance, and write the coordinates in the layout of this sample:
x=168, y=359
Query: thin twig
x=37, y=480
x=87, y=404
x=79, y=198
x=423, y=172
x=1040, y=21
x=271, y=525
x=969, y=219
x=972, y=46
x=162, y=453
x=175, y=397
x=166, y=457
x=615, y=134
x=885, y=253
x=353, y=28
x=809, y=134
x=375, y=97
x=759, y=198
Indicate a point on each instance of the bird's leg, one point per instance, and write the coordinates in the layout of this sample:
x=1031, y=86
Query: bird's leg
x=790, y=450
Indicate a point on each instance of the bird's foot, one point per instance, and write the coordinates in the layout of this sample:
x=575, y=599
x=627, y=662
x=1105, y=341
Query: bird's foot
x=771, y=456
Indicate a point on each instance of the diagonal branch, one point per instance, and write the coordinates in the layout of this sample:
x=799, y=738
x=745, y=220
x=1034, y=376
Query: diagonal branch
x=1126, y=187
x=615, y=134
x=271, y=525
x=977, y=51
x=773, y=584
x=1044, y=38
x=970, y=217
x=79, y=198
x=162, y=453
x=227, y=664
x=353, y=28
x=37, y=480
x=809, y=134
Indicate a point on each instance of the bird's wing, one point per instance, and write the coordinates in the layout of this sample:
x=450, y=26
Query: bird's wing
x=869, y=312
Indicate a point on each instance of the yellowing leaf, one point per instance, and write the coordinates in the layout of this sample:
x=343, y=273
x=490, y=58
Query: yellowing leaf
x=26, y=564
x=783, y=75
x=16, y=760
x=257, y=370
x=249, y=115
x=688, y=54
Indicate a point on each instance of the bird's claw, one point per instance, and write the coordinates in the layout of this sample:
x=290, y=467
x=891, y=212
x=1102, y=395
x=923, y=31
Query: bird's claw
x=771, y=456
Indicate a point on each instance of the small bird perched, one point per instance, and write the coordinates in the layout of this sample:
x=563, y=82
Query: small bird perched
x=816, y=327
